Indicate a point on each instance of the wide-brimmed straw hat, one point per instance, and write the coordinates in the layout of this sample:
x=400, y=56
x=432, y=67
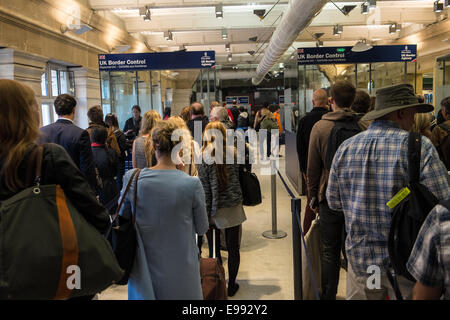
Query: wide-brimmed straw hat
x=397, y=97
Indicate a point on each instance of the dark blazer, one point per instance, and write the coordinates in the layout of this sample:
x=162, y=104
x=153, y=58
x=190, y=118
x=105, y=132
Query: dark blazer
x=77, y=143
x=129, y=125
x=59, y=169
x=191, y=124
x=305, y=126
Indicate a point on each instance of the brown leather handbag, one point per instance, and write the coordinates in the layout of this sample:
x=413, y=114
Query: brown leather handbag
x=212, y=274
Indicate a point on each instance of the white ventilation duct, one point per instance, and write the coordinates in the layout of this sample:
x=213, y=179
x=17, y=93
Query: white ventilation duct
x=297, y=17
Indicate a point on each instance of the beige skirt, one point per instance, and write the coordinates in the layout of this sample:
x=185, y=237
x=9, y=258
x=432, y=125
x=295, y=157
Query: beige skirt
x=229, y=217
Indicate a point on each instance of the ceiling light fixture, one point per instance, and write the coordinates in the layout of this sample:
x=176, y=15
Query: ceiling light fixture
x=76, y=28
x=224, y=34
x=361, y=46
x=394, y=27
x=337, y=30
x=345, y=9
x=145, y=13
x=260, y=13
x=230, y=57
x=227, y=47
x=364, y=8
x=168, y=36
x=438, y=7
x=219, y=11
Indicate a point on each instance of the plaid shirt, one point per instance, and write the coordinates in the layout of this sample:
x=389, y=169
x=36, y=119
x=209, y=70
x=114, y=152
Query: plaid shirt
x=429, y=262
x=367, y=171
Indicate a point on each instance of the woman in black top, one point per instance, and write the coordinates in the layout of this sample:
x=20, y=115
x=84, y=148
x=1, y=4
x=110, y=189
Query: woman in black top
x=124, y=146
x=19, y=122
x=107, y=163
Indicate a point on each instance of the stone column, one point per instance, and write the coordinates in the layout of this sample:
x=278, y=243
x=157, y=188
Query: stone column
x=24, y=67
x=87, y=91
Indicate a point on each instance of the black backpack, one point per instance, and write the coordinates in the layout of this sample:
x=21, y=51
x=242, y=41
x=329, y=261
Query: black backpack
x=342, y=130
x=409, y=215
x=444, y=148
x=251, y=189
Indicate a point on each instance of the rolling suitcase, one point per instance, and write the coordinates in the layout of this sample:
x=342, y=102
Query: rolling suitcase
x=212, y=275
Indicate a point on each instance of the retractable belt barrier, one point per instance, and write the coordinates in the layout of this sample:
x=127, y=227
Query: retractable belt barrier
x=297, y=238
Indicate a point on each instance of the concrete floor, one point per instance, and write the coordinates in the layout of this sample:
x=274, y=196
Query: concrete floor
x=266, y=270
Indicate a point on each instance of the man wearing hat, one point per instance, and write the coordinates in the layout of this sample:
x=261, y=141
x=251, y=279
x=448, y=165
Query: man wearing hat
x=367, y=169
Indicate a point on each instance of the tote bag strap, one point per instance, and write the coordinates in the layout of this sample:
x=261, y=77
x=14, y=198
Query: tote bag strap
x=35, y=163
x=135, y=195
x=122, y=200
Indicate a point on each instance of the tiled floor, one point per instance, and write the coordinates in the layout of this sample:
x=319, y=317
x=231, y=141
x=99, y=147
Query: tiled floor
x=266, y=270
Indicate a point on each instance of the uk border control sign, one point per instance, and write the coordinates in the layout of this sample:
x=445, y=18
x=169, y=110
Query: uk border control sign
x=157, y=61
x=345, y=55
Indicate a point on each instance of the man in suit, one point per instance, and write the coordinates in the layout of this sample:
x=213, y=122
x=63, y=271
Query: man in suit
x=198, y=116
x=75, y=140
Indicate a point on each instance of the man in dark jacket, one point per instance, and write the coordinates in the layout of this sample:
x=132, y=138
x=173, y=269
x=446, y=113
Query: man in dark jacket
x=198, y=116
x=305, y=125
x=133, y=125
x=331, y=222
x=75, y=140
x=235, y=113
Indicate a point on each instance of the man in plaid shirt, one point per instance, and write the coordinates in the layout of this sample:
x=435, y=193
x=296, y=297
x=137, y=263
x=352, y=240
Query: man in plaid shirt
x=429, y=262
x=367, y=171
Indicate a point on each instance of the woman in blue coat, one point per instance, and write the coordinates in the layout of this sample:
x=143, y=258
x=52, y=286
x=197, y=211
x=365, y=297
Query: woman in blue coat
x=170, y=211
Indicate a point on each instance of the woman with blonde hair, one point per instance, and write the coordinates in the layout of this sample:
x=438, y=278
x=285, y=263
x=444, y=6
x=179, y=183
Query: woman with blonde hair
x=188, y=158
x=223, y=193
x=170, y=210
x=19, y=130
x=422, y=124
x=142, y=151
x=186, y=114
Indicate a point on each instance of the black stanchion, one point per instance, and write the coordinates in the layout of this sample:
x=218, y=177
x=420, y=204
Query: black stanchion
x=297, y=249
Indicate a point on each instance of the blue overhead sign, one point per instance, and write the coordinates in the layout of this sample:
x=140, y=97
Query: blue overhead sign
x=157, y=61
x=240, y=100
x=345, y=55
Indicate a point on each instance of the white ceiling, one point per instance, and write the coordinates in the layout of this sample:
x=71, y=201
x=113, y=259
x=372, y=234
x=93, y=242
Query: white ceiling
x=194, y=24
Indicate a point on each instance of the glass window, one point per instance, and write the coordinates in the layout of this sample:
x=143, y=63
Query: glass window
x=54, y=79
x=46, y=114
x=44, y=85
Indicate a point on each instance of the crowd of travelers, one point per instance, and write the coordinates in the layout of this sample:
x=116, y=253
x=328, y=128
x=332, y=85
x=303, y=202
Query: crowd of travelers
x=354, y=155
x=173, y=202
x=358, y=157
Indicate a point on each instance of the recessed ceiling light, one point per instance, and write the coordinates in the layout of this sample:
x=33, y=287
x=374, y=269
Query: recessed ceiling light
x=364, y=8
x=227, y=47
x=438, y=7
x=224, y=34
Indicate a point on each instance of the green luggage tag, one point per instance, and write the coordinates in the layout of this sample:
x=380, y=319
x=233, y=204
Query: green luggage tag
x=402, y=194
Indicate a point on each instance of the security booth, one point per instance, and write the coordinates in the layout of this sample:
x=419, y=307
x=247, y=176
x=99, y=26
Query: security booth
x=367, y=67
x=151, y=80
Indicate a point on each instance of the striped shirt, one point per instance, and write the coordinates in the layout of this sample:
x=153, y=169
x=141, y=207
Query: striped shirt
x=429, y=262
x=367, y=170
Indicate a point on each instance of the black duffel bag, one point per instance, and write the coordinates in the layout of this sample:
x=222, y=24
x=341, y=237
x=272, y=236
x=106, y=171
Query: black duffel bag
x=48, y=250
x=124, y=240
x=251, y=190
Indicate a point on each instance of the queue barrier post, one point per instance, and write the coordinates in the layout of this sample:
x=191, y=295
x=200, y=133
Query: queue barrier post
x=274, y=233
x=297, y=249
